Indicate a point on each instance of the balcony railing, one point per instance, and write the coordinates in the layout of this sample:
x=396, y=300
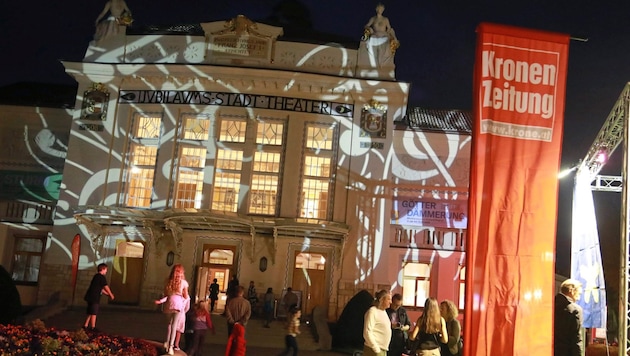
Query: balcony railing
x=429, y=238
x=16, y=211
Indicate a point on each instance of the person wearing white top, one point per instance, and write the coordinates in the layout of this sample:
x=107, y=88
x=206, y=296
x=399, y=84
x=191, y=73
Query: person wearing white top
x=377, y=331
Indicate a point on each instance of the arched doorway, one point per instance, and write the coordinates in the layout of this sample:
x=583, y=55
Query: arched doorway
x=218, y=261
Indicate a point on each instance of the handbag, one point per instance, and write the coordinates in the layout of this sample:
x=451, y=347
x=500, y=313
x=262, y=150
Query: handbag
x=456, y=350
x=412, y=346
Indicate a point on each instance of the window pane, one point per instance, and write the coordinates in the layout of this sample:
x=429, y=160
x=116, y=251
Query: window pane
x=310, y=261
x=189, y=189
x=147, y=126
x=29, y=245
x=422, y=292
x=263, y=194
x=229, y=159
x=196, y=128
x=219, y=257
x=417, y=270
x=269, y=133
x=315, y=166
x=141, y=160
x=232, y=131
x=314, y=199
x=462, y=287
x=192, y=157
x=130, y=249
x=409, y=291
x=225, y=191
x=319, y=137
x=26, y=267
x=267, y=162
x=140, y=187
x=143, y=155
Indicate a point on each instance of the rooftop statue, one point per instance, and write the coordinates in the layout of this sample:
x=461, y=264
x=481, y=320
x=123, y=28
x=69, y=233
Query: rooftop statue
x=380, y=38
x=119, y=17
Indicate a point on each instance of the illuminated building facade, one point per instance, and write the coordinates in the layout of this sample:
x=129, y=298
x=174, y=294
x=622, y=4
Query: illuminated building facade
x=34, y=127
x=229, y=150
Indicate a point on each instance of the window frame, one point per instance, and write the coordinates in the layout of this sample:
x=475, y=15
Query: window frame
x=40, y=254
x=179, y=197
x=139, y=141
x=331, y=155
x=416, y=280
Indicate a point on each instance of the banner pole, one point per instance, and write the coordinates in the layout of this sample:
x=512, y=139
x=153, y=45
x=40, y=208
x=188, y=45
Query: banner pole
x=624, y=248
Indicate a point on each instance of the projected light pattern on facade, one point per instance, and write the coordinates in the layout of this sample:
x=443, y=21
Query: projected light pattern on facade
x=201, y=150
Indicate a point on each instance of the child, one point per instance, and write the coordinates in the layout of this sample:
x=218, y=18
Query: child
x=177, y=303
x=293, y=329
x=201, y=322
x=92, y=296
x=236, y=345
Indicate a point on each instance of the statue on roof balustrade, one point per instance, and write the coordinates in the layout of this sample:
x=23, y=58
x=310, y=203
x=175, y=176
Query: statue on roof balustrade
x=119, y=17
x=379, y=39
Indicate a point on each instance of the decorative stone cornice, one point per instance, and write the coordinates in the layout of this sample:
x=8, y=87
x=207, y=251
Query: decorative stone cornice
x=96, y=231
x=177, y=231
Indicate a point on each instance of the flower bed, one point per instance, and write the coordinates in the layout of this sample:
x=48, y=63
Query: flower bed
x=36, y=339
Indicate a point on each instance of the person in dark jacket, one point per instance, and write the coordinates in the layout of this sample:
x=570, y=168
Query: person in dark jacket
x=568, y=317
x=400, y=325
x=214, y=294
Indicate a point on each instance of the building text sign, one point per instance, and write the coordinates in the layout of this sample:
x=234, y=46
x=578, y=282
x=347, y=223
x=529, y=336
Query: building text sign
x=235, y=45
x=409, y=210
x=254, y=101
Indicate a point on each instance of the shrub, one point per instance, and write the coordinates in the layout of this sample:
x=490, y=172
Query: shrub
x=36, y=339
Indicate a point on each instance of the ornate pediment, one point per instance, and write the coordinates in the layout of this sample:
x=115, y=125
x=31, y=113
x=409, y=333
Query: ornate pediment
x=240, y=39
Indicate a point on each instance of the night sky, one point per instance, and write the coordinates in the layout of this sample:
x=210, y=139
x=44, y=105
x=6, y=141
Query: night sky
x=436, y=57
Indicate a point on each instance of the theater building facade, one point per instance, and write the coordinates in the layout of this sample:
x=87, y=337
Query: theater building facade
x=232, y=151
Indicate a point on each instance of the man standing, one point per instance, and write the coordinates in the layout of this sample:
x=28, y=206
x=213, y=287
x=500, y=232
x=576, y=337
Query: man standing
x=290, y=300
x=92, y=296
x=377, y=328
x=214, y=294
x=238, y=310
x=568, y=320
x=400, y=325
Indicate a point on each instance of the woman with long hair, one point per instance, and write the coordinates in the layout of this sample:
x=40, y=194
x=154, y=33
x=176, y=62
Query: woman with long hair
x=449, y=312
x=430, y=330
x=377, y=328
x=177, y=304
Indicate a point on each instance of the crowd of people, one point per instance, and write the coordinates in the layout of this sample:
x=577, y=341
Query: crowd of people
x=195, y=322
x=387, y=328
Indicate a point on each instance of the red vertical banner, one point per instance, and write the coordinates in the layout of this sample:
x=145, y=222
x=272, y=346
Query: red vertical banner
x=76, y=251
x=519, y=90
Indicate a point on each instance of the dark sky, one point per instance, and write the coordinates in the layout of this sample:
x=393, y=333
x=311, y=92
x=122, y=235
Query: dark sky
x=436, y=55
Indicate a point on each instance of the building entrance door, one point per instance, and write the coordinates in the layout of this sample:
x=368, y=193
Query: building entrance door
x=309, y=277
x=217, y=262
x=127, y=271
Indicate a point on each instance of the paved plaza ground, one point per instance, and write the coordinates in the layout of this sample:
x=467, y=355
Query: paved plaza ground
x=151, y=325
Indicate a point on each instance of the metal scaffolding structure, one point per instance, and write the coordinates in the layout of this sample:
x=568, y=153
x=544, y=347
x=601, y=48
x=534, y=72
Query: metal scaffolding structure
x=614, y=131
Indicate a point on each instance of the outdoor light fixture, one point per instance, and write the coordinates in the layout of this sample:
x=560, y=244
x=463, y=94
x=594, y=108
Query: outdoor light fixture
x=170, y=258
x=602, y=157
x=565, y=172
x=262, y=265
